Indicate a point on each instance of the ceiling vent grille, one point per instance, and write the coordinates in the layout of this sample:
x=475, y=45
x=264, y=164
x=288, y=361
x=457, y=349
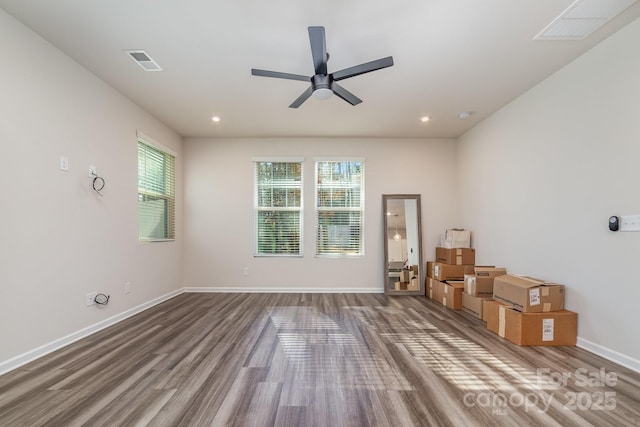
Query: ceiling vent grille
x=582, y=18
x=144, y=60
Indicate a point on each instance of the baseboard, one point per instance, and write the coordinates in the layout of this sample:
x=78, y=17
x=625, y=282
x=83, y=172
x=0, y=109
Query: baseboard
x=264, y=290
x=31, y=355
x=612, y=355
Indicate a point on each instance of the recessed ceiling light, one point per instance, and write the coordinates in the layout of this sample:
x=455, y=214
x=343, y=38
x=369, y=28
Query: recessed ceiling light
x=464, y=115
x=425, y=119
x=215, y=119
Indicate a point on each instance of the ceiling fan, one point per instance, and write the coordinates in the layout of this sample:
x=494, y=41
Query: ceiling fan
x=322, y=83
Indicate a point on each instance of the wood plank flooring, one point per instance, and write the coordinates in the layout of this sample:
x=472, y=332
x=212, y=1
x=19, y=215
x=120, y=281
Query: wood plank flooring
x=314, y=360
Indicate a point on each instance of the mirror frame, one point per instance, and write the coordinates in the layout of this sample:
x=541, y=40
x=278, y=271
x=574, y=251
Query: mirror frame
x=421, y=268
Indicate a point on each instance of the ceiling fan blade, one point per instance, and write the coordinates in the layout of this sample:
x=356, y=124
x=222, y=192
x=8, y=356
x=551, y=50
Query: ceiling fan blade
x=279, y=75
x=363, y=68
x=318, y=49
x=305, y=95
x=345, y=94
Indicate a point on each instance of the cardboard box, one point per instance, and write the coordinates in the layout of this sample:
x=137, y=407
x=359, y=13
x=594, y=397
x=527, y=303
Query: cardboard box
x=490, y=314
x=485, y=277
x=401, y=286
x=471, y=287
x=527, y=294
x=472, y=305
x=444, y=272
x=405, y=276
x=452, y=294
x=457, y=256
x=485, y=308
x=430, y=268
x=524, y=329
x=456, y=238
x=434, y=289
x=413, y=284
x=481, y=282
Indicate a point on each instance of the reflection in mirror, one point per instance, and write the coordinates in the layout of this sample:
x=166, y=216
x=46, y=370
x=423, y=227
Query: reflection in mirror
x=403, y=239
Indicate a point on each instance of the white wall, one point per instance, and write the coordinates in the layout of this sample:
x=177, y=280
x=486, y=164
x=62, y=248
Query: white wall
x=59, y=239
x=219, y=209
x=540, y=178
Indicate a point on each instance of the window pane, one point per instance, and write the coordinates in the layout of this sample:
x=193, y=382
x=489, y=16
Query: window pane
x=156, y=193
x=293, y=197
x=265, y=196
x=278, y=208
x=278, y=232
x=339, y=208
x=339, y=233
x=152, y=217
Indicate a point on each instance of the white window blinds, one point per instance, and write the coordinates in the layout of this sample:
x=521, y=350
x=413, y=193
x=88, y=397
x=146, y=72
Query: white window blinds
x=278, y=208
x=339, y=208
x=156, y=193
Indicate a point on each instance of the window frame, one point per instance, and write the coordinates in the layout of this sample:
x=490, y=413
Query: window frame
x=256, y=209
x=169, y=196
x=361, y=208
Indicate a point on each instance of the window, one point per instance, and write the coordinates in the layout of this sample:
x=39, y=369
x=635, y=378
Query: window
x=278, y=208
x=339, y=207
x=156, y=192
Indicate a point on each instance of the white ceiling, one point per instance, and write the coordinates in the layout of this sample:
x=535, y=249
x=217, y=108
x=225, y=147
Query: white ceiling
x=450, y=56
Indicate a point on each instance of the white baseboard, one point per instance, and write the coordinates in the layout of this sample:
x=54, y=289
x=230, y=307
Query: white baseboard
x=263, y=290
x=31, y=355
x=612, y=355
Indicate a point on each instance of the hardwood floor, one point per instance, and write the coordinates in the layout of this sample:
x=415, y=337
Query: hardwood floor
x=314, y=360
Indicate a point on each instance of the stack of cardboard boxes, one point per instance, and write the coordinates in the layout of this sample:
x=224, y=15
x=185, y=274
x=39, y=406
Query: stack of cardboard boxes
x=528, y=311
x=524, y=310
x=445, y=276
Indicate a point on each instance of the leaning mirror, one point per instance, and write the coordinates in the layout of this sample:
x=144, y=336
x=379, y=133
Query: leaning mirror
x=402, y=245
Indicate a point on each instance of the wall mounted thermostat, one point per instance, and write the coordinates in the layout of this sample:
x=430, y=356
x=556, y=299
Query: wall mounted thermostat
x=614, y=223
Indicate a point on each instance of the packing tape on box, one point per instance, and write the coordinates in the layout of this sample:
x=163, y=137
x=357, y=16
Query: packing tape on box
x=545, y=291
x=546, y=307
x=502, y=314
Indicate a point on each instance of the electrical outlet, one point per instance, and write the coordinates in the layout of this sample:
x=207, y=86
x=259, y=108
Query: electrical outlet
x=127, y=287
x=91, y=299
x=245, y=271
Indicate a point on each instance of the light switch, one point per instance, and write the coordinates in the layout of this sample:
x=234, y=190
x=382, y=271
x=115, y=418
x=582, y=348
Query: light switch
x=630, y=223
x=64, y=163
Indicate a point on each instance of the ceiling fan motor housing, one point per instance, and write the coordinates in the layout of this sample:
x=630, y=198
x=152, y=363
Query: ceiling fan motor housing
x=321, y=81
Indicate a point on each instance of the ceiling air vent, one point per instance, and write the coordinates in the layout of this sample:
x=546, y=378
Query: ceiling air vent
x=144, y=60
x=582, y=18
